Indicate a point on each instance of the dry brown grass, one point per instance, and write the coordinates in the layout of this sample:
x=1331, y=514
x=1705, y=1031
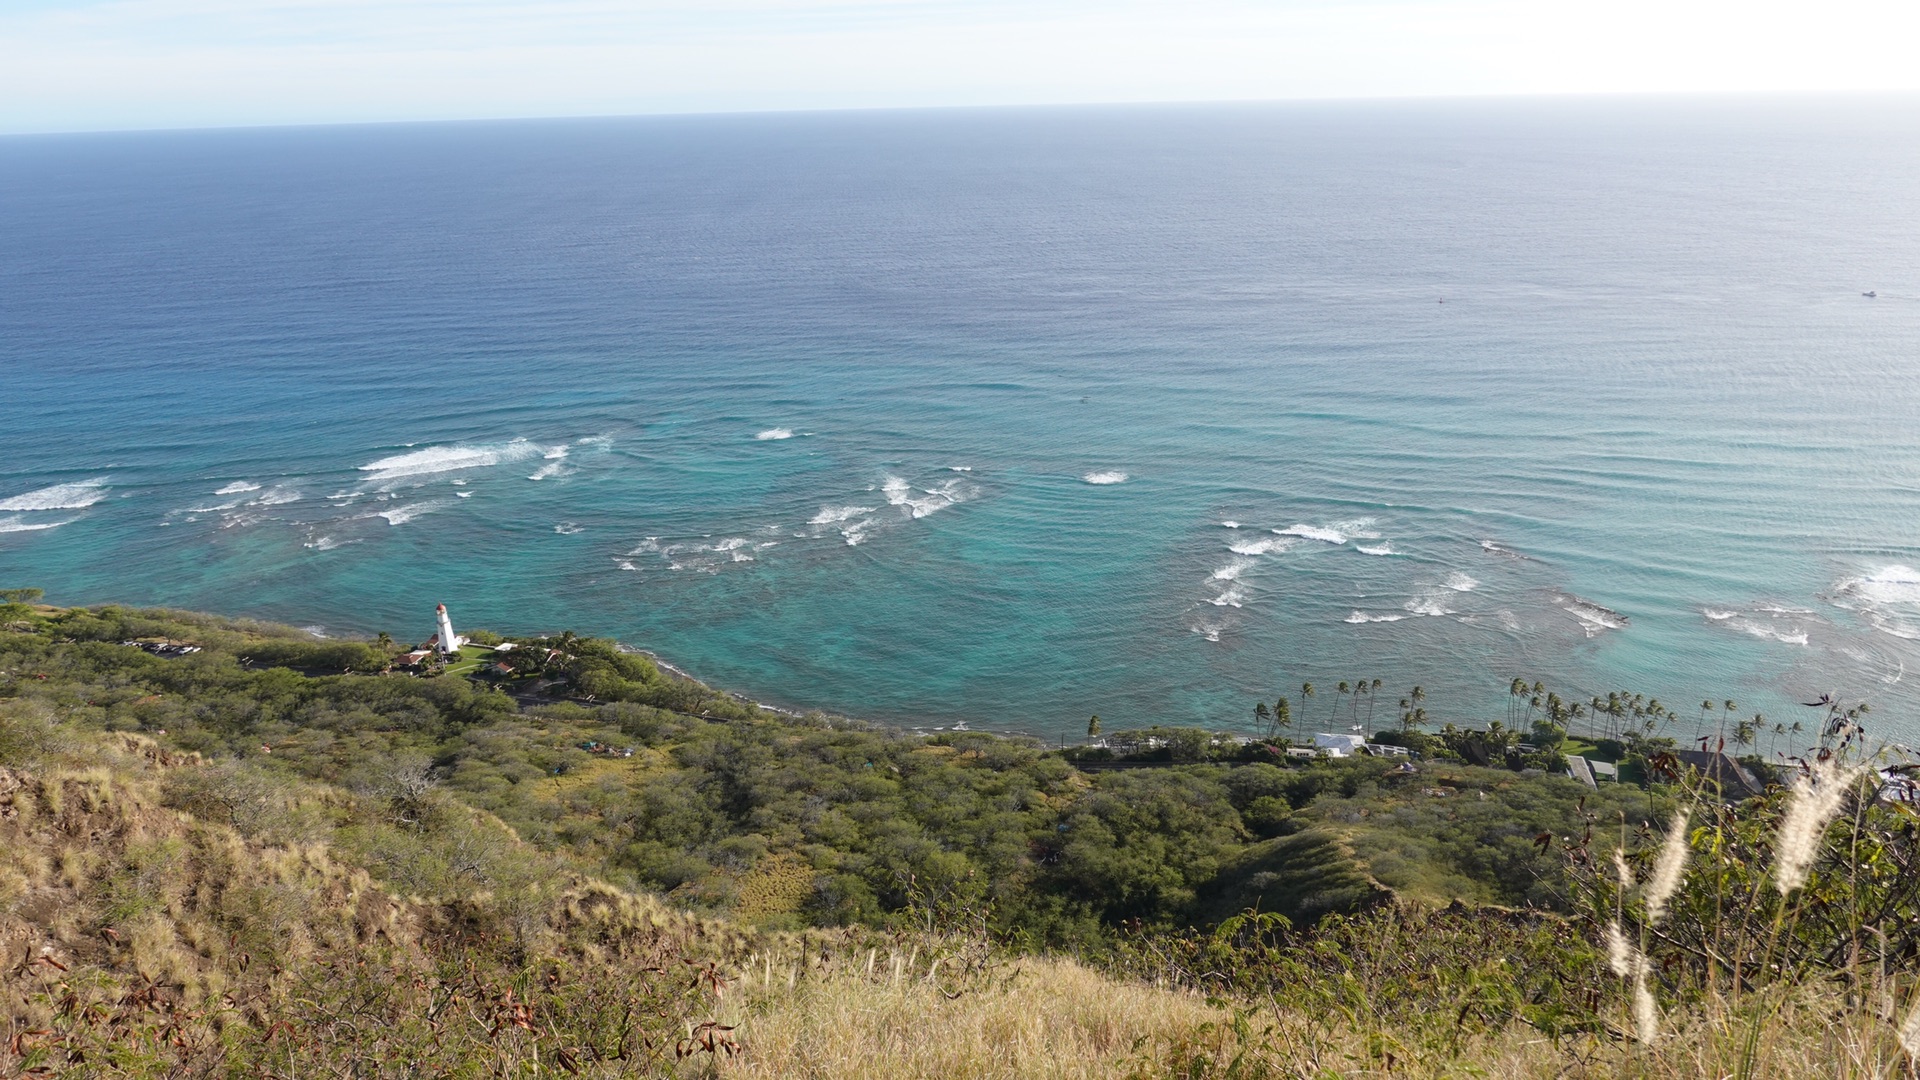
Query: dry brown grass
x=1051, y=1019
x=1060, y=1020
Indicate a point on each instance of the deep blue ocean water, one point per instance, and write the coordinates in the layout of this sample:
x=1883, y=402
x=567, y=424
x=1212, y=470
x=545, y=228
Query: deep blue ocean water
x=1012, y=416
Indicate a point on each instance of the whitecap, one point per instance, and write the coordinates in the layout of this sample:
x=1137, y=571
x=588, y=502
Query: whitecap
x=566, y=528
x=16, y=524
x=1110, y=477
x=400, y=515
x=1379, y=549
x=327, y=543
x=1314, y=532
x=834, y=515
x=441, y=459
x=1460, y=582
x=927, y=500
x=317, y=631
x=1494, y=548
x=279, y=496
x=772, y=434
x=1593, y=618
x=1231, y=597
x=1888, y=598
x=1363, y=617
x=238, y=487
x=72, y=496
x=959, y=468
x=1229, y=524
x=463, y=494
x=1716, y=615
x=555, y=464
x=1262, y=546
x=1208, y=630
x=1232, y=570
x=1427, y=604
x=1356, y=529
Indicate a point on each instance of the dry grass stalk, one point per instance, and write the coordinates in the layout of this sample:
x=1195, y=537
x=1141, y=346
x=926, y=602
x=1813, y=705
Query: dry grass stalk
x=1817, y=797
x=1667, y=870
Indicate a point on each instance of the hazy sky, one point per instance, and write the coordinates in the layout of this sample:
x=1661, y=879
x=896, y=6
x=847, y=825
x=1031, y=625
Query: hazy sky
x=78, y=65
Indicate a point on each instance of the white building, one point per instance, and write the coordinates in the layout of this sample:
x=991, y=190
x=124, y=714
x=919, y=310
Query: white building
x=1338, y=745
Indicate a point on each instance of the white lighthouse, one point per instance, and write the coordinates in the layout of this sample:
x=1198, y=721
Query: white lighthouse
x=449, y=644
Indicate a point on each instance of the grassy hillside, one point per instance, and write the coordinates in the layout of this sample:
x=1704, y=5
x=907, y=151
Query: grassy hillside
x=243, y=862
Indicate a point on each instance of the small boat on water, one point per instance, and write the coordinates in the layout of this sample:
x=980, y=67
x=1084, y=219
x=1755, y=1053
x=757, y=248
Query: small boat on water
x=1869, y=294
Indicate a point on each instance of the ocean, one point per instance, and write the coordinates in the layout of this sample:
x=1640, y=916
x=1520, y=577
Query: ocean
x=1008, y=417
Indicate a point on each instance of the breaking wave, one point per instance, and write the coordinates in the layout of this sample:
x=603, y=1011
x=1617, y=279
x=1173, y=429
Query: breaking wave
x=1888, y=599
x=1376, y=549
x=772, y=434
x=1593, y=619
x=1363, y=617
x=16, y=524
x=441, y=459
x=926, y=500
x=555, y=464
x=1460, y=582
x=400, y=515
x=1262, y=546
x=566, y=528
x=834, y=515
x=73, y=496
x=1231, y=571
x=1314, y=532
x=1112, y=477
x=238, y=487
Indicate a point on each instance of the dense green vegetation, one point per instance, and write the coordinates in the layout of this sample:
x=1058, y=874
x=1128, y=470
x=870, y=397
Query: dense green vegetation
x=790, y=821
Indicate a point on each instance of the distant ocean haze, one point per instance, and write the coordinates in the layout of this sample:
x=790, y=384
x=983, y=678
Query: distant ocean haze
x=1008, y=417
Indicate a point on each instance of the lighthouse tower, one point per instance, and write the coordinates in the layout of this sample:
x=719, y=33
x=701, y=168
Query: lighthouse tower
x=448, y=643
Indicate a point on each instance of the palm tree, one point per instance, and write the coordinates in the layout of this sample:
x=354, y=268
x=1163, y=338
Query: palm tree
x=1373, y=692
x=1339, y=692
x=1282, y=714
x=1514, y=689
x=1261, y=716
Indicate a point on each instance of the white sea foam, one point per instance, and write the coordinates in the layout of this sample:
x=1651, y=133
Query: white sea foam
x=400, y=515
x=327, y=543
x=1767, y=622
x=16, y=524
x=834, y=515
x=1263, y=546
x=566, y=528
x=1314, y=532
x=1208, y=630
x=73, y=496
x=1233, y=596
x=1232, y=570
x=279, y=496
x=1377, y=549
x=463, y=494
x=1112, y=477
x=554, y=465
x=1888, y=598
x=774, y=433
x=441, y=459
x=1593, y=618
x=1364, y=617
x=1229, y=524
x=238, y=487
x=1460, y=582
x=926, y=500
x=959, y=468
x=1493, y=548
x=1429, y=604
x=1356, y=529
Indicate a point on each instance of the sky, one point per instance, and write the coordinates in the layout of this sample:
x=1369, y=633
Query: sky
x=79, y=65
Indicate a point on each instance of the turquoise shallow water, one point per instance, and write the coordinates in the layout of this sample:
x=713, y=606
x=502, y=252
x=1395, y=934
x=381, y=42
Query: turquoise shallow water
x=818, y=406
